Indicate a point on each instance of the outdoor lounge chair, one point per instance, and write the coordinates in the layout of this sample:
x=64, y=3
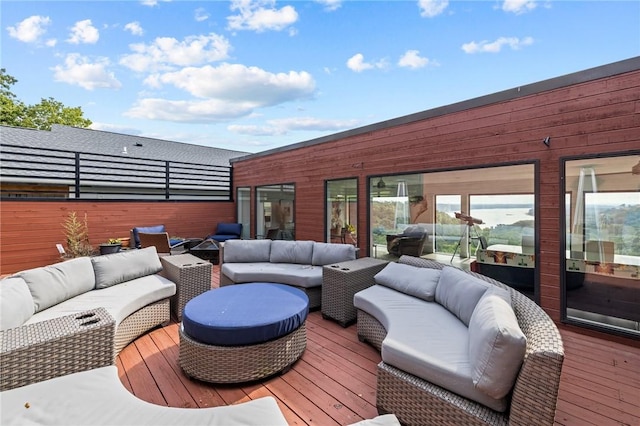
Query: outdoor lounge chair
x=162, y=243
x=407, y=243
x=226, y=231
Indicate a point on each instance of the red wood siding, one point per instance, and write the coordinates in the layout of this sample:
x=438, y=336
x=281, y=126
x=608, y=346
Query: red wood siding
x=29, y=230
x=595, y=117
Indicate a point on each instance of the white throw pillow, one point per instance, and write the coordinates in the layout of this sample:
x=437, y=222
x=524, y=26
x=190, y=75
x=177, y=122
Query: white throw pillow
x=411, y=280
x=496, y=346
x=460, y=292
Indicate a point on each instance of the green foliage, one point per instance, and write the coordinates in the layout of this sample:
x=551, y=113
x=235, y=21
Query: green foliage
x=39, y=116
x=77, y=234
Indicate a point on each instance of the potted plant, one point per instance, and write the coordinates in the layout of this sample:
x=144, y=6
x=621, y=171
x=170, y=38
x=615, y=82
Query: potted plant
x=111, y=246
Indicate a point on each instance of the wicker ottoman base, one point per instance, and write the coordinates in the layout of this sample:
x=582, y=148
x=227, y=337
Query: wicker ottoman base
x=236, y=364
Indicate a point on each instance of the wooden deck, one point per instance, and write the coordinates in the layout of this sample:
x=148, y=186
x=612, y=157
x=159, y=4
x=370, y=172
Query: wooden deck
x=334, y=383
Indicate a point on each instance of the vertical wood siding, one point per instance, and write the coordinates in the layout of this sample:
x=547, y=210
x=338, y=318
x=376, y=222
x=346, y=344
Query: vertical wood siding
x=29, y=230
x=596, y=117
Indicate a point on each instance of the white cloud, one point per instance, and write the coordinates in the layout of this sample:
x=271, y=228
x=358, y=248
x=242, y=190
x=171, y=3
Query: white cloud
x=330, y=5
x=518, y=6
x=200, y=14
x=134, y=28
x=431, y=8
x=412, y=59
x=166, y=52
x=51, y=42
x=83, y=32
x=30, y=29
x=237, y=82
x=286, y=125
x=152, y=3
x=191, y=111
x=496, y=46
x=357, y=63
x=260, y=15
x=115, y=128
x=227, y=91
x=80, y=71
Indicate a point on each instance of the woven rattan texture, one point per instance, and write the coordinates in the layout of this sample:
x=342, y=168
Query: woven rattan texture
x=141, y=321
x=427, y=404
x=44, y=350
x=534, y=396
x=191, y=275
x=237, y=364
x=341, y=281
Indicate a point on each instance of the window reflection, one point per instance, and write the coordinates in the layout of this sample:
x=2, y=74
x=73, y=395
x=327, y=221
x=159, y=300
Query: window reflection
x=602, y=277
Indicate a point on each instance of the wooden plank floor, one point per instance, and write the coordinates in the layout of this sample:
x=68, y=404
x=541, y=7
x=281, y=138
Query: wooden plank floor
x=334, y=381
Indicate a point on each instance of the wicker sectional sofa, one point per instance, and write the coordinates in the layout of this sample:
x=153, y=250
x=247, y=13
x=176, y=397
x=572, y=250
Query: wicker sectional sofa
x=296, y=263
x=458, y=347
x=48, y=313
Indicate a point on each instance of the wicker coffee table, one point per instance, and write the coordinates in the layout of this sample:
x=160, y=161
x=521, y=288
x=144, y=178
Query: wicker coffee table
x=243, y=332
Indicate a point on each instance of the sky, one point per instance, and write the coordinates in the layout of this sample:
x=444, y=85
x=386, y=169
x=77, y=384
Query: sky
x=256, y=75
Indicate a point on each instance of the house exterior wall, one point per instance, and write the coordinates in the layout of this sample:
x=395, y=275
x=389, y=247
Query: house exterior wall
x=29, y=230
x=583, y=114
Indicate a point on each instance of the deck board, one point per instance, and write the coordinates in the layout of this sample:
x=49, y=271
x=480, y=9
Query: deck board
x=334, y=381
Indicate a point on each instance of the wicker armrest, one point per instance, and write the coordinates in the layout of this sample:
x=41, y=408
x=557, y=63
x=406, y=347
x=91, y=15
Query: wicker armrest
x=44, y=350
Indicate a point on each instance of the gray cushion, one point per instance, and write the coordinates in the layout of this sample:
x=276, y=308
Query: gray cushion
x=459, y=292
x=411, y=280
x=327, y=253
x=496, y=346
x=291, y=252
x=306, y=276
x=16, y=303
x=56, y=283
x=237, y=251
x=117, y=268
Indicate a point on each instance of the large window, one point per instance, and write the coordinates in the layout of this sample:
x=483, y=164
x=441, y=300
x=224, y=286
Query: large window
x=275, y=212
x=483, y=215
x=243, y=206
x=602, y=274
x=342, y=211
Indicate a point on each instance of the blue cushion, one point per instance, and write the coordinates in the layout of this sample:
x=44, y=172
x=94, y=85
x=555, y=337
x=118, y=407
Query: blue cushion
x=245, y=314
x=229, y=229
x=222, y=237
x=145, y=230
x=174, y=241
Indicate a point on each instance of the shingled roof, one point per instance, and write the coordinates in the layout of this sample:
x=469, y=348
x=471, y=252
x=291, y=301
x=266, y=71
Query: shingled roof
x=108, y=143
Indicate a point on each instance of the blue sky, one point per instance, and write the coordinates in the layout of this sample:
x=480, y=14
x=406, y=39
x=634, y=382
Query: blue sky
x=255, y=75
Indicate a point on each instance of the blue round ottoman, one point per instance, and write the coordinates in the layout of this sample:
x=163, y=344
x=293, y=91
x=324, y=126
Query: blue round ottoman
x=243, y=332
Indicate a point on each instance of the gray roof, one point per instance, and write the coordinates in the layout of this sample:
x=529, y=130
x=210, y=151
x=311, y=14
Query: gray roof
x=108, y=143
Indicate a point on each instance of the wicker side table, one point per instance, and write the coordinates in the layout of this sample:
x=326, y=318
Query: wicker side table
x=191, y=275
x=341, y=281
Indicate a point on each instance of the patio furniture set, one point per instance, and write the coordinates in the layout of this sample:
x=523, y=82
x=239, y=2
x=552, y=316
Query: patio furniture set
x=257, y=329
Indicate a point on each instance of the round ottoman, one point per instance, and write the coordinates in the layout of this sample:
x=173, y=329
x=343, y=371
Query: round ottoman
x=243, y=332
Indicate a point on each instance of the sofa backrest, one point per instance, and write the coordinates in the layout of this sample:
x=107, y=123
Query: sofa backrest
x=245, y=251
x=50, y=285
x=116, y=268
x=287, y=251
x=16, y=303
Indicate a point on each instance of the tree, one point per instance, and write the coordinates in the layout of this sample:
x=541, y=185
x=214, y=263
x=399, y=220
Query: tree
x=39, y=116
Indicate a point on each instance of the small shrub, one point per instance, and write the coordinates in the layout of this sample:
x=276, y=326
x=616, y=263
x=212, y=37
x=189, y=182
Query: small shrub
x=77, y=233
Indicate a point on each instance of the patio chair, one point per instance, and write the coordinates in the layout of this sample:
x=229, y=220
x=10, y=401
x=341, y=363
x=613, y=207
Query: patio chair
x=226, y=231
x=162, y=243
x=135, y=239
x=410, y=242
